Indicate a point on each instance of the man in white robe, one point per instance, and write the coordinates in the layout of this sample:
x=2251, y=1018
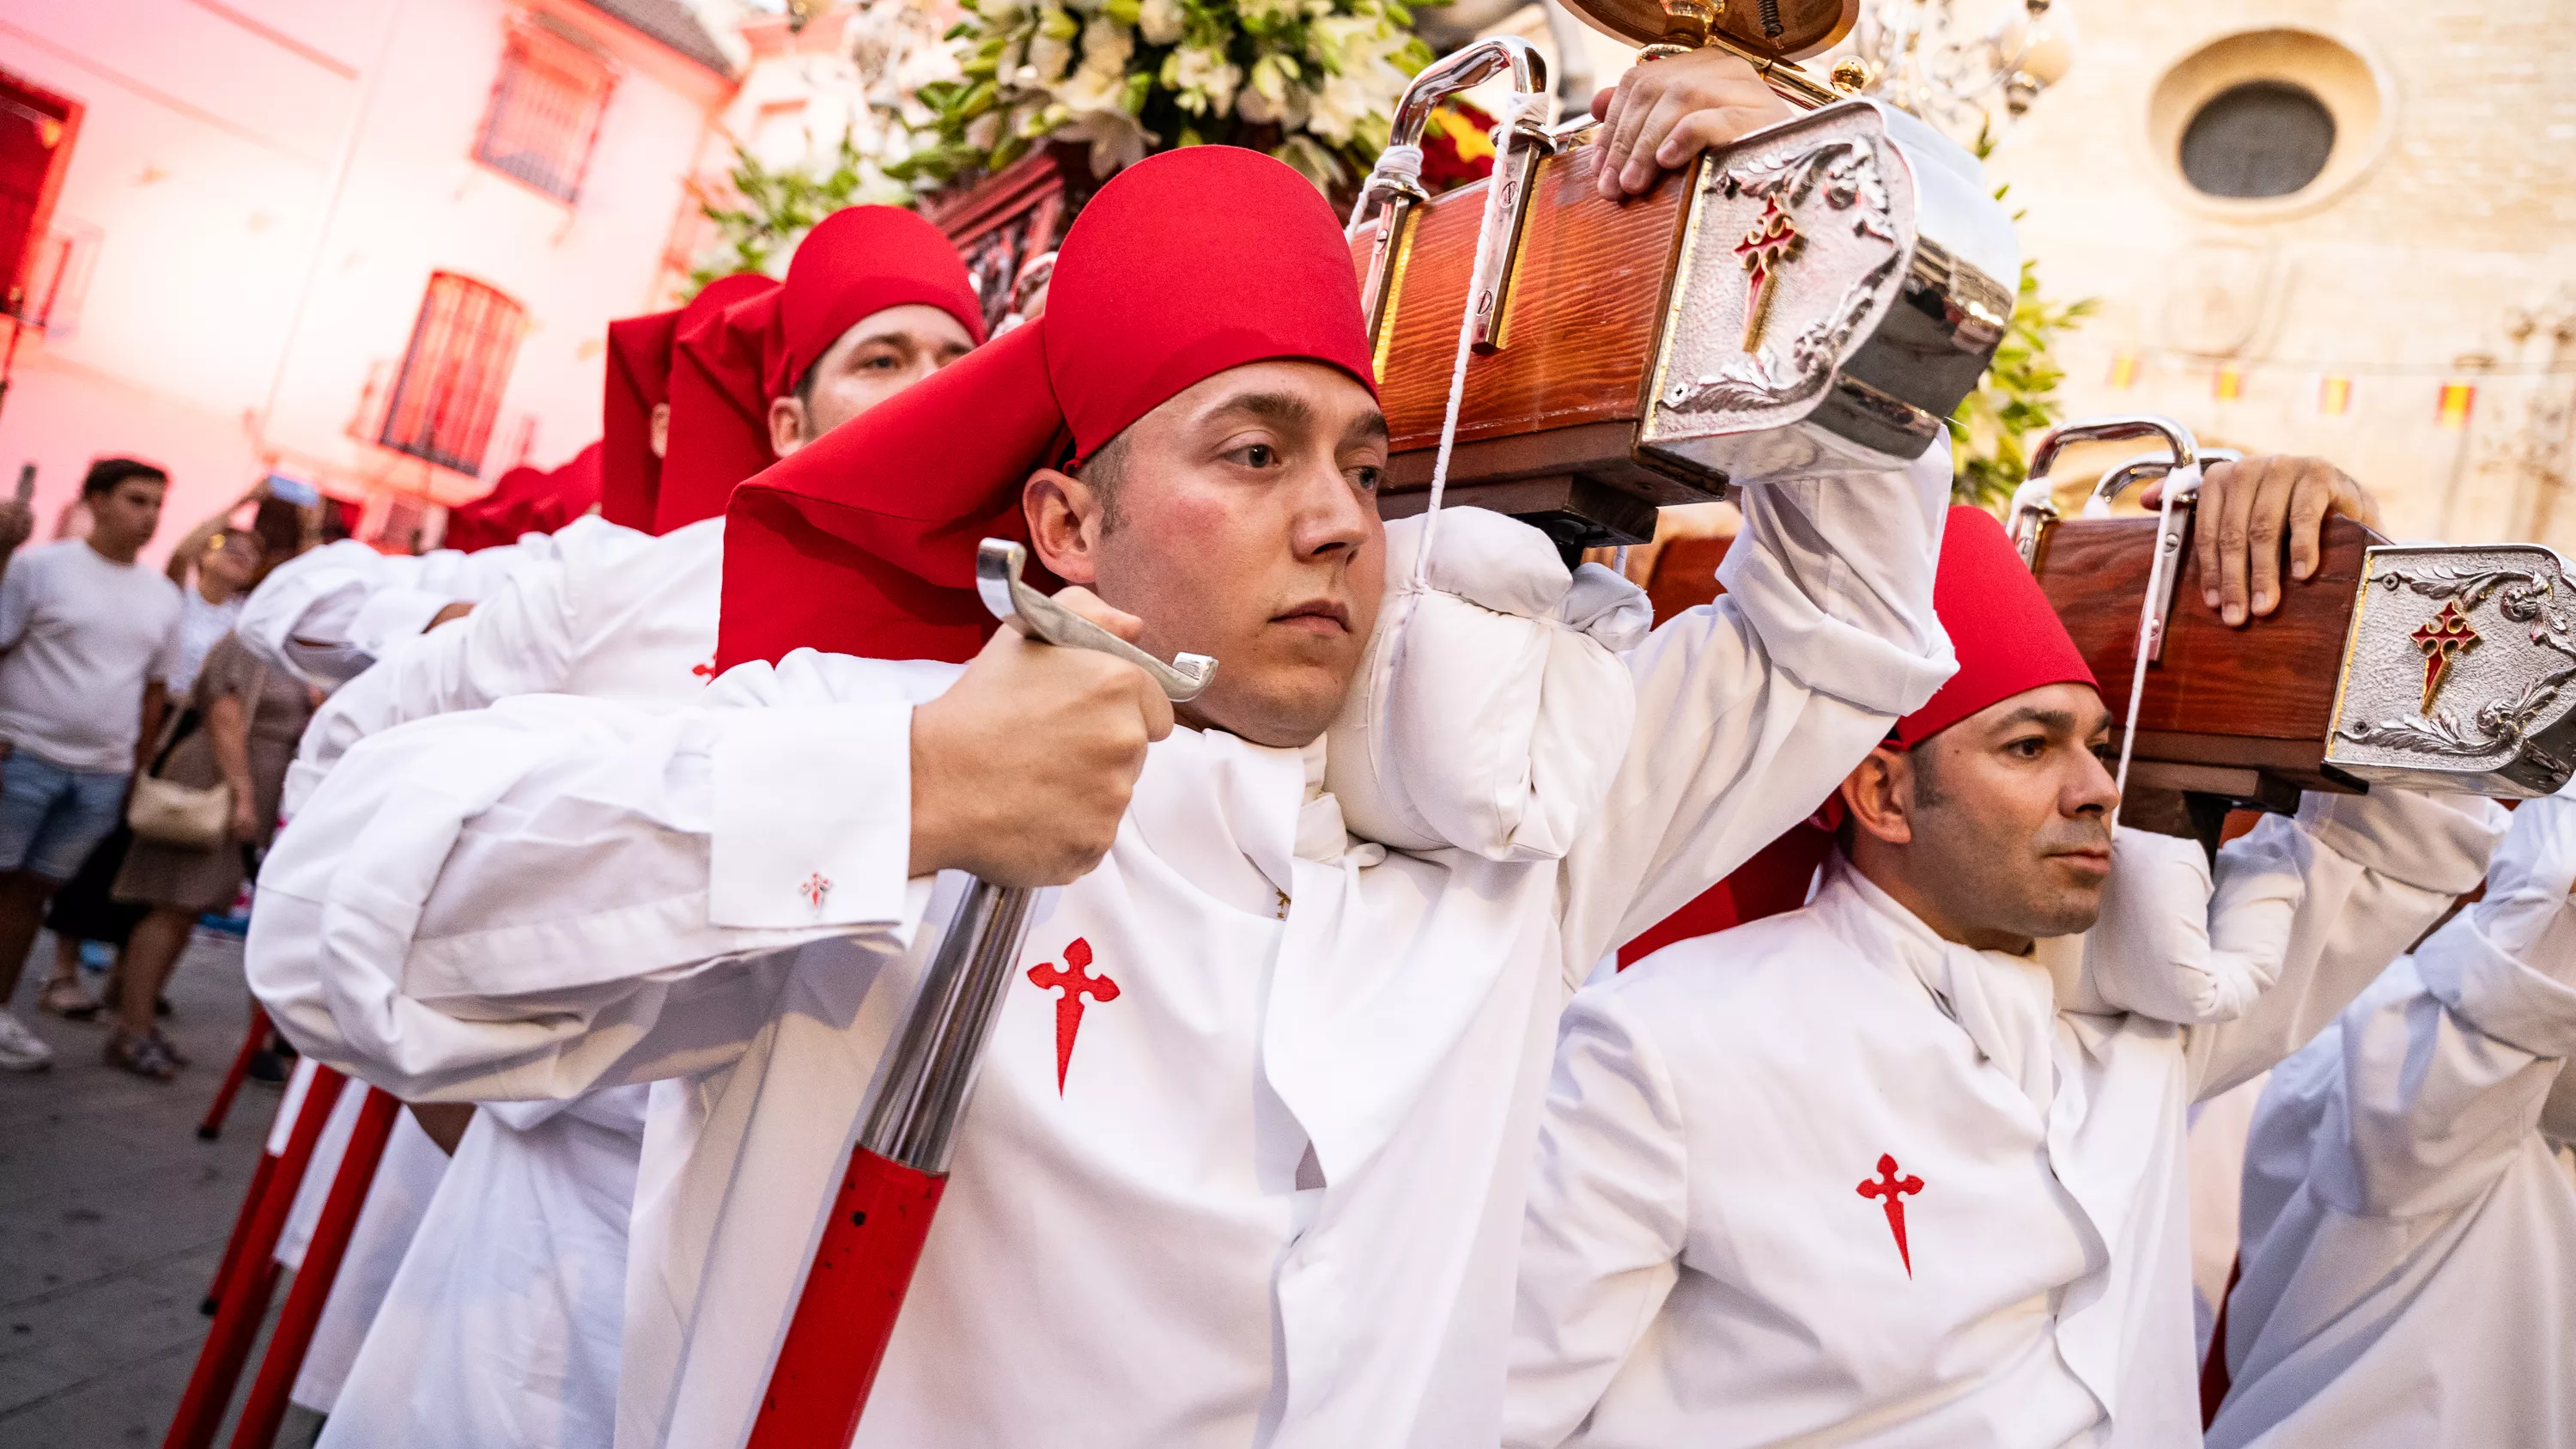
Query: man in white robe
x=1875, y=1171
x=504, y=1324
x=2409, y=1258
x=330, y=613
x=1270, y=1192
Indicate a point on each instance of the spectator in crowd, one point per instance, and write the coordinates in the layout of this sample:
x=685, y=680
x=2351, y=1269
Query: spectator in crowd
x=87, y=637
x=243, y=722
x=227, y=564
x=213, y=566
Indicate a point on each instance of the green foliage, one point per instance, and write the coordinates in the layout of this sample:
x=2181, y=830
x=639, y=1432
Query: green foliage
x=777, y=207
x=1989, y=454
x=1991, y=433
x=1313, y=82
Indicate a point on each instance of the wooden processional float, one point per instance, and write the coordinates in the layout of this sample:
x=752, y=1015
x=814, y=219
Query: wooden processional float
x=1814, y=298
x=2434, y=667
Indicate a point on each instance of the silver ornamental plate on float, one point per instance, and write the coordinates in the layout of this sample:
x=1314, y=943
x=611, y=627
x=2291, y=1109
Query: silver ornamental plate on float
x=1844, y=279
x=2459, y=672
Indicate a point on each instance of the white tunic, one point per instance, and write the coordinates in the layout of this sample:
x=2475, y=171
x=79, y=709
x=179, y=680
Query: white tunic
x=504, y=1323
x=501, y=1328
x=1125, y=1255
x=1714, y=1256
x=2409, y=1227
x=605, y=611
x=406, y=1177
x=329, y=612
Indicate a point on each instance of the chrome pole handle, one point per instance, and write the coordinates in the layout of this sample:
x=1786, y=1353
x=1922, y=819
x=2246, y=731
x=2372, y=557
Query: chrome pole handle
x=2138, y=469
x=998, y=564
x=2184, y=448
x=932, y=1062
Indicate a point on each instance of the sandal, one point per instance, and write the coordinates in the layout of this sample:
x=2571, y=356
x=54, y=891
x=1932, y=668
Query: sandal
x=144, y=1056
x=66, y=1000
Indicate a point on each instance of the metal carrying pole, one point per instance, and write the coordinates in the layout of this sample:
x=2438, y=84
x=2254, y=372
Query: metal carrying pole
x=265, y=1408
x=243, y=1291
x=871, y=1241
x=255, y=1037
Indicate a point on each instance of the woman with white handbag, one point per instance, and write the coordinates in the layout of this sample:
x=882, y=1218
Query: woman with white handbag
x=205, y=805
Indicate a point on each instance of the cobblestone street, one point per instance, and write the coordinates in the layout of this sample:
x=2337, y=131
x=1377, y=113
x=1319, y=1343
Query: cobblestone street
x=113, y=1214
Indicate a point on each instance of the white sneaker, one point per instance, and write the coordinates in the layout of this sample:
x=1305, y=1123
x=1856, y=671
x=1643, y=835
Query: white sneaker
x=20, y=1051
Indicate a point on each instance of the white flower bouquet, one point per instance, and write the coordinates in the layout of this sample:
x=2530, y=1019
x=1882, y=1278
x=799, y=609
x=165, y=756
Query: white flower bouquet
x=1312, y=82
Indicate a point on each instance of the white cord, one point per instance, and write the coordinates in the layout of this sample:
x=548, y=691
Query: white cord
x=1506, y=139
x=2177, y=483
x=1395, y=164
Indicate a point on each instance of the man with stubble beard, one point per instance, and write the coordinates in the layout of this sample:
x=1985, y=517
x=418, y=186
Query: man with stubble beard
x=1905, y=1166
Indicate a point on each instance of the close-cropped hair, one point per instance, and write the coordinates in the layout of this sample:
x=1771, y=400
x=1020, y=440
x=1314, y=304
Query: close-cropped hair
x=1104, y=470
x=106, y=473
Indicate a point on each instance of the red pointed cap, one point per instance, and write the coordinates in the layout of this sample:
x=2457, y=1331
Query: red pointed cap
x=727, y=367
x=639, y=380
x=526, y=500
x=2008, y=638
x=858, y=262
x=1185, y=265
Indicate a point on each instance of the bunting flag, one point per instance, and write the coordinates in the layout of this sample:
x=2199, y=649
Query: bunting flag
x=2457, y=397
x=2314, y=388
x=2334, y=395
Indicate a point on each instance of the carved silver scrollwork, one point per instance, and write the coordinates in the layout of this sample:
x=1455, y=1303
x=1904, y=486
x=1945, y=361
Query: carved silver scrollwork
x=2498, y=715
x=2524, y=597
x=1842, y=282
x=1846, y=171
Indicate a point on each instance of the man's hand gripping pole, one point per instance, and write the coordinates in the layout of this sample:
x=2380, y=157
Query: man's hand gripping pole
x=872, y=1240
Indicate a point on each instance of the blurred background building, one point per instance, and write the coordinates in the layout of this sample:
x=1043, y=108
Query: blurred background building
x=369, y=244
x=372, y=244
x=2343, y=227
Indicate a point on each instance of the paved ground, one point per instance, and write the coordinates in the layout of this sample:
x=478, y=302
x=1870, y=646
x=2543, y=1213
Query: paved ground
x=112, y=1215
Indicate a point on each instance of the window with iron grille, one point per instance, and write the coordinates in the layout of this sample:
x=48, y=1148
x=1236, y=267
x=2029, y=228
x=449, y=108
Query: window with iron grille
x=545, y=113
x=449, y=389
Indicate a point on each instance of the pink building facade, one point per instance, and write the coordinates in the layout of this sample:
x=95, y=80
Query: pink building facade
x=372, y=245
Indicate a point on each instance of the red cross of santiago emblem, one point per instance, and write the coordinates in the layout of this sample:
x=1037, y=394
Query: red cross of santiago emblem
x=1074, y=976
x=2444, y=637
x=1891, y=1190
x=1773, y=239
x=814, y=889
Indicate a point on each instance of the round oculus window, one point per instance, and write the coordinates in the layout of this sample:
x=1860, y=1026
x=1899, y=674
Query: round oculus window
x=2258, y=139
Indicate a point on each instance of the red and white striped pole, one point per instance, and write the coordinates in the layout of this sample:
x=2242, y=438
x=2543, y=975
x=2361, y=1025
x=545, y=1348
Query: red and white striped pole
x=242, y=1289
x=265, y=1409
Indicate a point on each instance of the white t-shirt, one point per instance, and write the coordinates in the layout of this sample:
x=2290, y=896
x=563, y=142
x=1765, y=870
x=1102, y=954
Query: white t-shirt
x=81, y=636
x=201, y=627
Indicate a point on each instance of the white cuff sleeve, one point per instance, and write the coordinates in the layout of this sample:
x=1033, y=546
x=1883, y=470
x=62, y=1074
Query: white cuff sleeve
x=2494, y=991
x=390, y=616
x=2432, y=842
x=813, y=817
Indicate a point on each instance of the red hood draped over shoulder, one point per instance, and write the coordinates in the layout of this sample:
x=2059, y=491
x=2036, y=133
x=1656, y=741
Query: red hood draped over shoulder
x=639, y=380
x=526, y=500
x=726, y=368
x=1187, y=264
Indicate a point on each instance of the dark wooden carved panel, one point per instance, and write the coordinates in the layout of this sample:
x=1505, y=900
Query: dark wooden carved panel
x=1018, y=212
x=2223, y=705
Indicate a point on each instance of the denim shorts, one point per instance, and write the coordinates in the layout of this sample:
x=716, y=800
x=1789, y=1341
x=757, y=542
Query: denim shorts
x=50, y=817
